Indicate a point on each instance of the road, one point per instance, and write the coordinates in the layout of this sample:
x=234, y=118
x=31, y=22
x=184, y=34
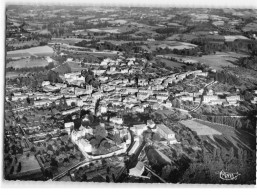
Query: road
x=131, y=163
x=204, y=89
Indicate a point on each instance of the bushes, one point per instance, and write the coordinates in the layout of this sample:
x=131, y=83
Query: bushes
x=227, y=77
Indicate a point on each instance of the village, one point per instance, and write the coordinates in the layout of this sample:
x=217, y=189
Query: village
x=129, y=95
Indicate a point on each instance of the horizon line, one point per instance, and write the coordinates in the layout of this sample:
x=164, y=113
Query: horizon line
x=130, y=4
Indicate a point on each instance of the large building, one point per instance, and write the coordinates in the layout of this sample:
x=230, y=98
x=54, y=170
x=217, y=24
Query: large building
x=166, y=132
x=209, y=98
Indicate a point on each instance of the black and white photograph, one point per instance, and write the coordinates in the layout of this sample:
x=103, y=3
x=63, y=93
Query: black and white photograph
x=129, y=93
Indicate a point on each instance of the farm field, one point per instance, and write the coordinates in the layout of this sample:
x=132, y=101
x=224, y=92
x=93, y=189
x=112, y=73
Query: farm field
x=200, y=129
x=234, y=37
x=172, y=64
x=12, y=75
x=250, y=27
x=217, y=61
x=170, y=44
x=230, y=137
x=120, y=42
x=22, y=44
x=68, y=41
x=38, y=51
x=114, y=31
x=27, y=63
x=75, y=67
x=118, y=22
x=174, y=37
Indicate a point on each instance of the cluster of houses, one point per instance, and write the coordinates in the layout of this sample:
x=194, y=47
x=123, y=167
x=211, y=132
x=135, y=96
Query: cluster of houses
x=254, y=100
x=211, y=98
x=85, y=145
x=119, y=94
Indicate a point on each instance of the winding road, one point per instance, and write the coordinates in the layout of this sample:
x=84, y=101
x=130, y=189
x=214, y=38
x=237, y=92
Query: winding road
x=204, y=89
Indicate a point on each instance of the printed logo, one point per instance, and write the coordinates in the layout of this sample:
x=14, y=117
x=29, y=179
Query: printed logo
x=228, y=176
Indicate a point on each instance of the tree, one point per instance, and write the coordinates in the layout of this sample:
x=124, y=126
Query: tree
x=156, y=137
x=84, y=177
x=54, y=163
x=107, y=179
x=100, y=131
x=19, y=168
x=12, y=170
x=117, y=139
x=113, y=177
x=108, y=170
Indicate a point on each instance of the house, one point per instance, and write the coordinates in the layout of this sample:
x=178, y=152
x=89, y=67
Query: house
x=19, y=97
x=142, y=96
x=254, y=101
x=138, y=170
x=45, y=83
x=139, y=129
x=68, y=125
x=116, y=120
x=166, y=132
x=84, y=145
x=233, y=98
x=217, y=102
x=103, y=109
x=150, y=123
x=208, y=98
x=132, y=90
x=138, y=109
x=162, y=97
x=97, y=95
x=71, y=100
x=86, y=130
x=81, y=91
x=70, y=111
x=197, y=100
x=186, y=98
x=40, y=103
x=60, y=85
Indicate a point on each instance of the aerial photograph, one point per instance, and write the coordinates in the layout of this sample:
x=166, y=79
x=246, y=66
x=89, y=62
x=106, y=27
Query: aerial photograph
x=130, y=94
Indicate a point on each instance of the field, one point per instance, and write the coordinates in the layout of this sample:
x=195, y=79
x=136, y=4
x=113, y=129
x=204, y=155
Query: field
x=216, y=61
x=230, y=137
x=118, y=22
x=234, y=37
x=27, y=63
x=85, y=17
x=199, y=128
x=171, y=45
x=187, y=37
x=69, y=41
x=120, y=42
x=75, y=67
x=12, y=75
x=174, y=37
x=250, y=27
x=38, y=51
x=172, y=64
x=22, y=44
x=113, y=31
